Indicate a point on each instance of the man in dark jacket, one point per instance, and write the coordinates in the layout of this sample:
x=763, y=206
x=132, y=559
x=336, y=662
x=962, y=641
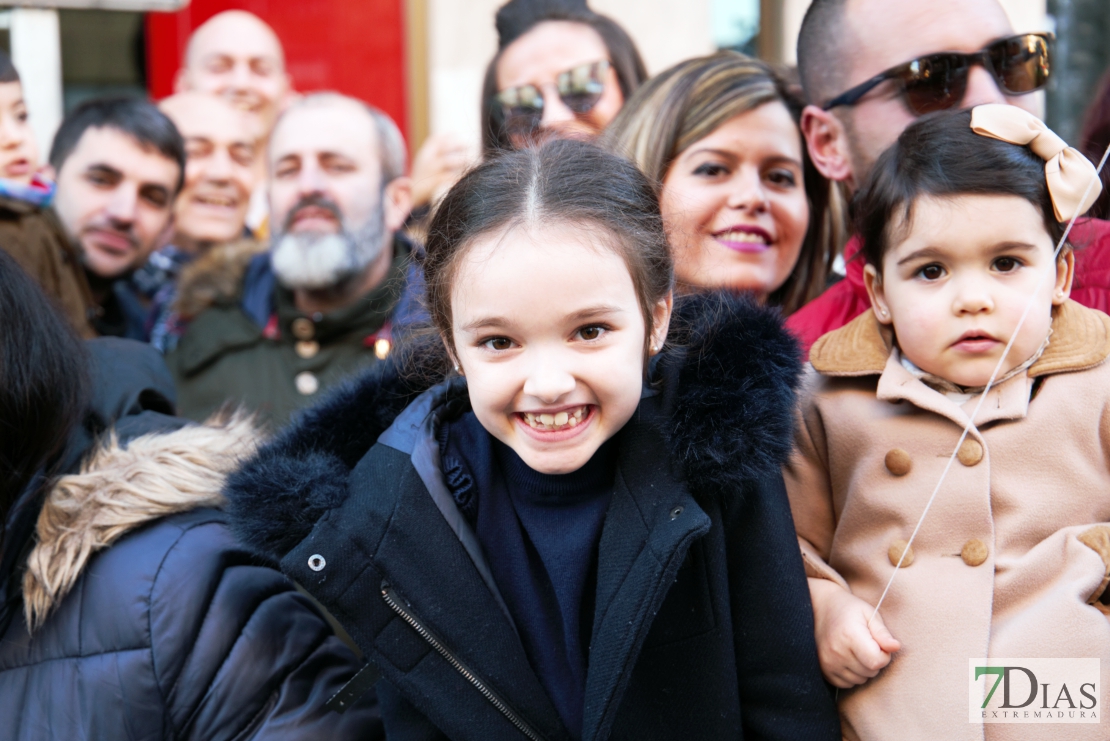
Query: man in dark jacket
x=223, y=157
x=127, y=610
x=120, y=164
x=324, y=301
x=702, y=626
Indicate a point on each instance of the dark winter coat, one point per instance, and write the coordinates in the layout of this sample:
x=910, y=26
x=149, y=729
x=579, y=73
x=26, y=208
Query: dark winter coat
x=702, y=627
x=151, y=622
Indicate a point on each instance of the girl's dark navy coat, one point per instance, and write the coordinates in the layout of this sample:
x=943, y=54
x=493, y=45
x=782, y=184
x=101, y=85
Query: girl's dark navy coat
x=703, y=626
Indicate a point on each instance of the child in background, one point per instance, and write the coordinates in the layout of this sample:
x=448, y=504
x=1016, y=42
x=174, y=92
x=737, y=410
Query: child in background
x=28, y=232
x=542, y=546
x=959, y=220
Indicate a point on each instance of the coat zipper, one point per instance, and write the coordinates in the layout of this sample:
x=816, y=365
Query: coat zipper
x=398, y=607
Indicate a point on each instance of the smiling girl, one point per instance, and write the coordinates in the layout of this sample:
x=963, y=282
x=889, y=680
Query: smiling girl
x=960, y=220
x=580, y=533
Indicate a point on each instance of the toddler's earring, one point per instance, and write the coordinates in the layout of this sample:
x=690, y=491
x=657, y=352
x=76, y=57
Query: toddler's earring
x=457, y=368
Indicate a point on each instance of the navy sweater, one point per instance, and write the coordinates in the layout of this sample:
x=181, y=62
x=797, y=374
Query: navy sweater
x=540, y=535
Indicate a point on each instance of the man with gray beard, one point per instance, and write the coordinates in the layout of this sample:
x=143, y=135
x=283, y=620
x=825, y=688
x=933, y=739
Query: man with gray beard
x=280, y=329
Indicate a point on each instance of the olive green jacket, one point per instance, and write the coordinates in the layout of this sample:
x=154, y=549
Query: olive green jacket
x=226, y=357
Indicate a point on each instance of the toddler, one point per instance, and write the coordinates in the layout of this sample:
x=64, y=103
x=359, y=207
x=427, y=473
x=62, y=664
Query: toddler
x=960, y=220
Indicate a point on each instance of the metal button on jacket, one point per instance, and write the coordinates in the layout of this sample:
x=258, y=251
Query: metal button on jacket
x=316, y=562
x=974, y=552
x=971, y=452
x=898, y=462
x=307, y=349
x=307, y=384
x=303, y=328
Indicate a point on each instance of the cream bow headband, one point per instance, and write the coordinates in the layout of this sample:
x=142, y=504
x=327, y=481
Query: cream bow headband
x=1069, y=173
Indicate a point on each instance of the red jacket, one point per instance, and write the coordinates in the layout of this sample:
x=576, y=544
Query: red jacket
x=846, y=300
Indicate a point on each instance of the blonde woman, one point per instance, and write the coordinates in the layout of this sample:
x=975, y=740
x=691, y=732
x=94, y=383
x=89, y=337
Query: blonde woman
x=743, y=206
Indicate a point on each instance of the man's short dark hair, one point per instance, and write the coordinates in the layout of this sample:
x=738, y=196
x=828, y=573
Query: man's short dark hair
x=139, y=119
x=821, y=61
x=8, y=72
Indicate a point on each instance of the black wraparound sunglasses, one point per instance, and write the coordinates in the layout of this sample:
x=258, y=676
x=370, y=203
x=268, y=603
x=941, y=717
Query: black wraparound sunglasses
x=1019, y=64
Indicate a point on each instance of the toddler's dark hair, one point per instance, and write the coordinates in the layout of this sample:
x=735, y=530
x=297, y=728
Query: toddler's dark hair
x=564, y=183
x=939, y=155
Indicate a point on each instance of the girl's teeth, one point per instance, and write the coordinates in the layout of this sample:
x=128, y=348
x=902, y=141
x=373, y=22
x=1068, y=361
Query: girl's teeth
x=555, y=421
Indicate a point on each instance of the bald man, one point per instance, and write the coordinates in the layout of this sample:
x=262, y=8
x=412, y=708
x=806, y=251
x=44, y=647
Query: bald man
x=237, y=56
x=844, y=43
x=221, y=150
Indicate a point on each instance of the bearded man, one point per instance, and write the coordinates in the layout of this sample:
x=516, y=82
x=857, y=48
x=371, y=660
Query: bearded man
x=277, y=331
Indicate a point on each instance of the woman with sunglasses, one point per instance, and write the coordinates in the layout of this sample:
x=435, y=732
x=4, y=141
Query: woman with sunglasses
x=744, y=207
x=561, y=70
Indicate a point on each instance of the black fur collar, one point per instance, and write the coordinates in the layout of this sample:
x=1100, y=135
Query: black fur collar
x=729, y=376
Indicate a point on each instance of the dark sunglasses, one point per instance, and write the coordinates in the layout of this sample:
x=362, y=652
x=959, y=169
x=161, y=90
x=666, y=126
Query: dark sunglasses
x=1019, y=64
x=579, y=88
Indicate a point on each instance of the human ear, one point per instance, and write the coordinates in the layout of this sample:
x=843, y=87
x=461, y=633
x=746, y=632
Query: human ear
x=398, y=202
x=660, y=322
x=827, y=142
x=1065, y=274
x=874, y=284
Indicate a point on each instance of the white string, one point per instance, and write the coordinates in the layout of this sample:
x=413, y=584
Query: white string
x=986, y=390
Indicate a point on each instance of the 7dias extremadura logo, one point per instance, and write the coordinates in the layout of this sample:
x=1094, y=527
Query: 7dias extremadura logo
x=1034, y=691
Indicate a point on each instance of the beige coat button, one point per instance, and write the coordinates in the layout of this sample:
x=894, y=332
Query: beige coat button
x=898, y=462
x=971, y=452
x=303, y=328
x=306, y=383
x=895, y=552
x=974, y=552
x=307, y=350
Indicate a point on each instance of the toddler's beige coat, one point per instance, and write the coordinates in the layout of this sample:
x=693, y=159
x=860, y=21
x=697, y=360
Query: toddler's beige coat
x=1012, y=558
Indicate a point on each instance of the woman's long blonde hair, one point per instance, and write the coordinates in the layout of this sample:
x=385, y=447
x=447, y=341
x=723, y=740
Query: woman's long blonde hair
x=686, y=103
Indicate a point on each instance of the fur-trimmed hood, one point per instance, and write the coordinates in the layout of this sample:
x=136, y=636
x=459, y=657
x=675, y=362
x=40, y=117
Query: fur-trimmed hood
x=120, y=487
x=729, y=384
x=216, y=277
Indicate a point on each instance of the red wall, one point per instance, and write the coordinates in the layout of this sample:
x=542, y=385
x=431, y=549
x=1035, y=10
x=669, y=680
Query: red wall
x=356, y=47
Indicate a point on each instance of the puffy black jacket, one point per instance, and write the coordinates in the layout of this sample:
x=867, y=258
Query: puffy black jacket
x=702, y=626
x=153, y=623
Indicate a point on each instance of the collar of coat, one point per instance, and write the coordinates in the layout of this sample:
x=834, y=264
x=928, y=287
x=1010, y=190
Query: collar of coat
x=121, y=487
x=1080, y=340
x=864, y=347
x=727, y=384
